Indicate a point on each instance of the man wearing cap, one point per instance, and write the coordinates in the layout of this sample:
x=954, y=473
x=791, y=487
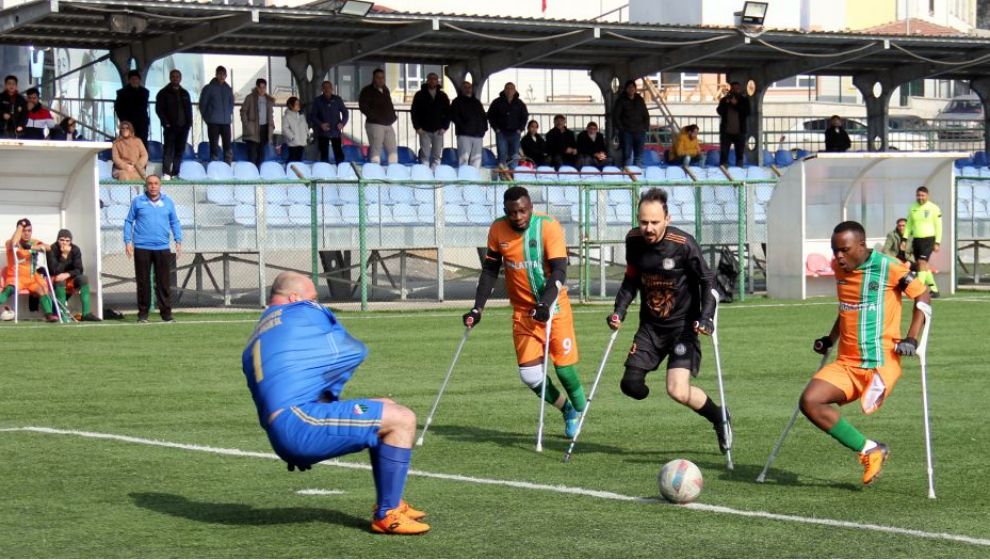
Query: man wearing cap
x=66, y=270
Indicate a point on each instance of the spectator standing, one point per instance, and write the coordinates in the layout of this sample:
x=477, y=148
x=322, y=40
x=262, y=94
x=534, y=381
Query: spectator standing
x=130, y=158
x=470, y=125
x=295, y=129
x=836, y=137
x=534, y=145
x=65, y=131
x=375, y=103
x=13, y=107
x=431, y=119
x=257, y=120
x=896, y=244
x=216, y=105
x=39, y=118
x=149, y=222
x=733, y=109
x=328, y=116
x=507, y=115
x=685, y=147
x=561, y=144
x=131, y=105
x=173, y=104
x=591, y=147
x=632, y=120
x=65, y=267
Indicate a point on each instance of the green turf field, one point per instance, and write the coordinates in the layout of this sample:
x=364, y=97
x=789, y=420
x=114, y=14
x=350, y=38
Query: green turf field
x=70, y=493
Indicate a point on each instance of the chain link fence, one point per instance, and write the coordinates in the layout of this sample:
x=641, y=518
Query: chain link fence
x=972, y=215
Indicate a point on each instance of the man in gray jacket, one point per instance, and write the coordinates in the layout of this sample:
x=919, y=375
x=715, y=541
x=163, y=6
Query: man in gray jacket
x=216, y=105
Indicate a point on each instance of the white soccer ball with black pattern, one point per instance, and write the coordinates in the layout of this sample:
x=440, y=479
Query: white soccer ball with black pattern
x=7, y=314
x=680, y=481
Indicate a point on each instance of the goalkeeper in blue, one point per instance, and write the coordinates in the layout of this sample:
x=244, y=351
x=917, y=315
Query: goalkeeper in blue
x=296, y=363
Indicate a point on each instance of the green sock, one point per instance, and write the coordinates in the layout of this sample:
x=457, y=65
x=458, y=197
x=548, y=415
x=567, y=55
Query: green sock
x=847, y=435
x=84, y=298
x=568, y=376
x=930, y=280
x=46, y=304
x=552, y=393
x=6, y=293
x=60, y=294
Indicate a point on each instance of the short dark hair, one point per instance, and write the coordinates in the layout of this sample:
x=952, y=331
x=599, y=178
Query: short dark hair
x=691, y=128
x=654, y=194
x=629, y=83
x=852, y=226
x=291, y=101
x=835, y=117
x=923, y=189
x=9, y=78
x=899, y=220
x=133, y=73
x=378, y=71
x=220, y=69
x=591, y=124
x=531, y=122
x=514, y=193
x=24, y=222
x=260, y=81
x=555, y=117
x=735, y=84
x=32, y=91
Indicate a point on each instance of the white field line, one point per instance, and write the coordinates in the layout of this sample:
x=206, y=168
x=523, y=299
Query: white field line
x=531, y=486
x=448, y=314
x=319, y=492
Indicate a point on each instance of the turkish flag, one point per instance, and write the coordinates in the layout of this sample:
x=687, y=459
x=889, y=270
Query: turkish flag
x=544, y=6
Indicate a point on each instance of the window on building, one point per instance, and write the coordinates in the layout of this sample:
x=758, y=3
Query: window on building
x=799, y=81
x=410, y=77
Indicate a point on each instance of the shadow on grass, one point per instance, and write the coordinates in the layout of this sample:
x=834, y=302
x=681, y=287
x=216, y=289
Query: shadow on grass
x=552, y=437
x=241, y=514
x=748, y=473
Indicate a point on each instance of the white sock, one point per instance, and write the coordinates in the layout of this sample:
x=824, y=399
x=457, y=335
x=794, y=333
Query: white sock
x=870, y=444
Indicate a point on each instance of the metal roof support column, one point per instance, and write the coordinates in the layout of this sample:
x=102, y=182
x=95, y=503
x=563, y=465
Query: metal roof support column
x=309, y=85
x=981, y=87
x=458, y=73
x=876, y=89
x=609, y=80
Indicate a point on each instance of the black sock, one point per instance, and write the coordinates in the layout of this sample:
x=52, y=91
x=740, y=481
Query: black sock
x=711, y=411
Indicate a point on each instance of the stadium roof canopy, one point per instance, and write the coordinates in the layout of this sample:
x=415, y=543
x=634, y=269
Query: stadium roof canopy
x=159, y=28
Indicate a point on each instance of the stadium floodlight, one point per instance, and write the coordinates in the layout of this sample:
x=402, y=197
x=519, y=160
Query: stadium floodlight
x=356, y=8
x=753, y=13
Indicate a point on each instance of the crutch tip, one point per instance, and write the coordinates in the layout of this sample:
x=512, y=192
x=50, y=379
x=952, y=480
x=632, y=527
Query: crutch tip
x=761, y=479
x=419, y=442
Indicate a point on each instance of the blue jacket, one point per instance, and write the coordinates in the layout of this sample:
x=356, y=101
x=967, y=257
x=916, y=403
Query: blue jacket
x=216, y=103
x=331, y=111
x=148, y=223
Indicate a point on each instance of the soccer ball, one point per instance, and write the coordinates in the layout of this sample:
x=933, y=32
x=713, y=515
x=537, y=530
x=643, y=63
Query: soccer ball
x=7, y=314
x=680, y=481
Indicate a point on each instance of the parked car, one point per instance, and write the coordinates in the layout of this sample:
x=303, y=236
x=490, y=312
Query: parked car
x=810, y=135
x=961, y=119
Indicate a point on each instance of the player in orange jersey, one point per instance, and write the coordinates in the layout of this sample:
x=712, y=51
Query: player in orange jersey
x=870, y=286
x=531, y=248
x=21, y=249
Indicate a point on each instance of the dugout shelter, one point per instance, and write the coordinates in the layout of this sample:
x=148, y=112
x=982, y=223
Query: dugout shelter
x=55, y=185
x=875, y=189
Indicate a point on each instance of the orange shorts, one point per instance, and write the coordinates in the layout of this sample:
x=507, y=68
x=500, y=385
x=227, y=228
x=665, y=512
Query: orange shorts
x=34, y=283
x=529, y=337
x=870, y=386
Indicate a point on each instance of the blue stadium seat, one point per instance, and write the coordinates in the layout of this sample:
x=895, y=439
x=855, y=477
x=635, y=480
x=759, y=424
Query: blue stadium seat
x=346, y=171
x=402, y=195
x=121, y=195
x=203, y=151
x=105, y=169
x=155, y=151
x=192, y=170
x=546, y=174
x=300, y=215
x=276, y=195
x=455, y=214
x=449, y=157
x=323, y=170
x=353, y=153
x=404, y=214
x=422, y=193
x=767, y=157
x=801, y=153
x=737, y=173
x=188, y=153
x=963, y=162
x=425, y=214
x=468, y=173
x=372, y=171
x=965, y=201
x=980, y=159
x=219, y=171
x=185, y=215
x=331, y=215
x=756, y=172
x=349, y=214
x=488, y=158
x=732, y=159
x=712, y=158
x=677, y=173
x=445, y=173
x=245, y=171
x=651, y=157
x=277, y=216
x=272, y=171
x=783, y=158
x=298, y=195
x=269, y=154
x=116, y=216
x=244, y=215
x=302, y=167
x=406, y=155
x=105, y=155
x=397, y=172
x=479, y=215
x=969, y=171
x=240, y=151
x=654, y=173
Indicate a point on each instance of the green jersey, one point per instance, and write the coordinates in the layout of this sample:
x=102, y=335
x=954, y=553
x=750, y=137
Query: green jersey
x=924, y=220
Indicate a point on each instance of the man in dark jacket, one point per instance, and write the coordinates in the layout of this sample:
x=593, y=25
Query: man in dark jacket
x=561, y=144
x=836, y=137
x=734, y=110
x=508, y=115
x=131, y=105
x=591, y=147
x=375, y=103
x=470, y=125
x=216, y=105
x=328, y=116
x=431, y=119
x=13, y=107
x=65, y=268
x=632, y=120
x=173, y=105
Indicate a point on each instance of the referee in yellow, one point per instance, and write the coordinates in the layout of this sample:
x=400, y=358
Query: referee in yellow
x=924, y=229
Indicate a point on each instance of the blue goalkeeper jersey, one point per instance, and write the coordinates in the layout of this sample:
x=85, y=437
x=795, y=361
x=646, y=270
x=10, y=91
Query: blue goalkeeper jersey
x=298, y=354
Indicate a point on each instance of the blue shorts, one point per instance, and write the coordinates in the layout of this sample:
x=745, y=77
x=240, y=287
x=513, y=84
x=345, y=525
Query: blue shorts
x=309, y=433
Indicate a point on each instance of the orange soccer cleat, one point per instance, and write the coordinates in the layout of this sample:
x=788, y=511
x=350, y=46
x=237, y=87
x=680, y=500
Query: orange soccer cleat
x=396, y=523
x=873, y=461
x=405, y=509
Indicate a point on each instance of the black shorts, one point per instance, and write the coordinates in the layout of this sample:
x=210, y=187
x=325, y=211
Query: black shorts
x=923, y=247
x=651, y=346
